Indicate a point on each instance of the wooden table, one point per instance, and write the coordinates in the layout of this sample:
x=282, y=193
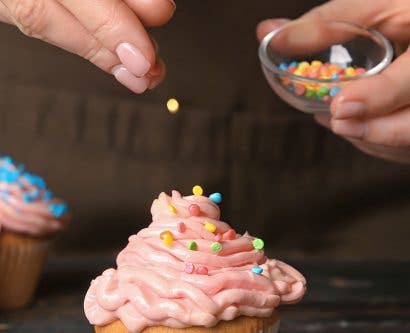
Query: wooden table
x=343, y=297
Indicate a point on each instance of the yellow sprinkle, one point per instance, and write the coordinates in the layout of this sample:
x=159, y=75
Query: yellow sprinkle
x=197, y=190
x=350, y=71
x=168, y=240
x=316, y=63
x=173, y=105
x=304, y=65
x=172, y=209
x=210, y=227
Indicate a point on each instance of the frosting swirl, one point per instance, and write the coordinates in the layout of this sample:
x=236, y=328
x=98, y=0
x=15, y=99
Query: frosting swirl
x=26, y=205
x=168, y=284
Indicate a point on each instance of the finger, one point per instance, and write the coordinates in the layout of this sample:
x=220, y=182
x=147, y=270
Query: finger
x=117, y=28
x=389, y=130
x=49, y=21
x=157, y=74
x=265, y=27
x=153, y=12
x=4, y=14
x=376, y=95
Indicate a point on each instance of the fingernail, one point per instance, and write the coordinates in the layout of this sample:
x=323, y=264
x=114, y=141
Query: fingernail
x=136, y=84
x=133, y=59
x=349, y=109
x=353, y=129
x=173, y=3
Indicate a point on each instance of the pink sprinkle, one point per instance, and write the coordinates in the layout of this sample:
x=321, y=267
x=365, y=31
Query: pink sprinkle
x=218, y=237
x=202, y=270
x=230, y=234
x=194, y=210
x=189, y=268
x=181, y=227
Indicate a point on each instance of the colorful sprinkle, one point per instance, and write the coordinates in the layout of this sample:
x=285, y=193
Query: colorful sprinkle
x=192, y=245
x=168, y=240
x=58, y=209
x=197, y=190
x=257, y=270
x=258, y=244
x=202, y=270
x=194, y=210
x=181, y=227
x=216, y=247
x=216, y=197
x=165, y=234
x=210, y=227
x=172, y=209
x=189, y=268
x=230, y=234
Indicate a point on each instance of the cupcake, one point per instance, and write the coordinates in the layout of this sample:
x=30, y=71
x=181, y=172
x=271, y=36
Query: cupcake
x=190, y=272
x=29, y=217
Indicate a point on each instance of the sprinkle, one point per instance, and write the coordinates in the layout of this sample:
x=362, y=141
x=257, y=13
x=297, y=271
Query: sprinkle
x=8, y=160
x=283, y=66
x=258, y=244
x=202, y=270
x=197, y=190
x=168, y=240
x=216, y=197
x=216, y=247
x=165, y=233
x=334, y=91
x=194, y=210
x=230, y=234
x=58, y=209
x=192, y=245
x=48, y=195
x=172, y=209
x=218, y=237
x=210, y=227
x=173, y=105
x=181, y=227
x=189, y=268
x=27, y=197
x=350, y=71
x=257, y=270
x=35, y=180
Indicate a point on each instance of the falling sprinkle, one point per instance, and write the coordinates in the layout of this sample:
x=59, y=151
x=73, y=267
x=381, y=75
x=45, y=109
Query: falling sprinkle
x=173, y=106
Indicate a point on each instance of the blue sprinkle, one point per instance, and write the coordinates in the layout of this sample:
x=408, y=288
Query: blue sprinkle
x=58, y=209
x=294, y=64
x=216, y=197
x=9, y=176
x=35, y=194
x=27, y=197
x=48, y=195
x=291, y=89
x=35, y=180
x=257, y=270
x=8, y=160
x=335, y=76
x=283, y=66
x=333, y=91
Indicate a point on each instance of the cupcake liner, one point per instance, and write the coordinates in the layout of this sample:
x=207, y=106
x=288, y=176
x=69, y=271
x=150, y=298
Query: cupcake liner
x=238, y=325
x=21, y=262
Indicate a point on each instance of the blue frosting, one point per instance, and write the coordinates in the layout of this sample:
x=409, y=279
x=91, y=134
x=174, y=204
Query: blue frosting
x=11, y=173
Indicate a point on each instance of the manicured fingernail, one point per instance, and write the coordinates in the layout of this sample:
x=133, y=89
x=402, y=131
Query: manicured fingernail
x=136, y=84
x=133, y=59
x=353, y=129
x=349, y=109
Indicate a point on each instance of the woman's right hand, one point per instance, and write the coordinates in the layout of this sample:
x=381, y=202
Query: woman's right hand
x=109, y=33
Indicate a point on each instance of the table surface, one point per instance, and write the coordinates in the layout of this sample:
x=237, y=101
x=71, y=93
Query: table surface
x=343, y=297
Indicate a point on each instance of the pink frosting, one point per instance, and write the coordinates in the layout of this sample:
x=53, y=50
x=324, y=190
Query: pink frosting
x=172, y=286
x=34, y=216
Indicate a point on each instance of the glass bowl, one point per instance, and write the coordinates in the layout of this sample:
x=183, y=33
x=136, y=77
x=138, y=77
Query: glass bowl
x=329, y=55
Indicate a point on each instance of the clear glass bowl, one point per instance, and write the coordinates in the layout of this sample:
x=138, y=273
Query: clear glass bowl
x=346, y=44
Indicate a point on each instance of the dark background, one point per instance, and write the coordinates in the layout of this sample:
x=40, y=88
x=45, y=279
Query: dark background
x=109, y=153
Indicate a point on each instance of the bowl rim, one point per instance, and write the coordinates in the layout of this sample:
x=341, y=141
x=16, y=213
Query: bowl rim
x=387, y=59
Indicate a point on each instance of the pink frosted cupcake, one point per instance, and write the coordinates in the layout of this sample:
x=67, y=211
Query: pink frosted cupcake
x=29, y=217
x=190, y=272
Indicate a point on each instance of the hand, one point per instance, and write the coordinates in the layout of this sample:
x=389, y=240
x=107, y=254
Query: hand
x=109, y=33
x=372, y=113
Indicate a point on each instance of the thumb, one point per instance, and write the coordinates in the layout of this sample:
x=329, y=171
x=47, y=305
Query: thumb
x=265, y=27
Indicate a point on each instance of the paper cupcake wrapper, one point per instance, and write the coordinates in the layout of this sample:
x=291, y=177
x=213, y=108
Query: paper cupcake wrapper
x=238, y=325
x=21, y=262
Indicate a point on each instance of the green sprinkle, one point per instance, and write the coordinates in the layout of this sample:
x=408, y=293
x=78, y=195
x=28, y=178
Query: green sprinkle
x=322, y=91
x=258, y=244
x=192, y=246
x=310, y=93
x=216, y=246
